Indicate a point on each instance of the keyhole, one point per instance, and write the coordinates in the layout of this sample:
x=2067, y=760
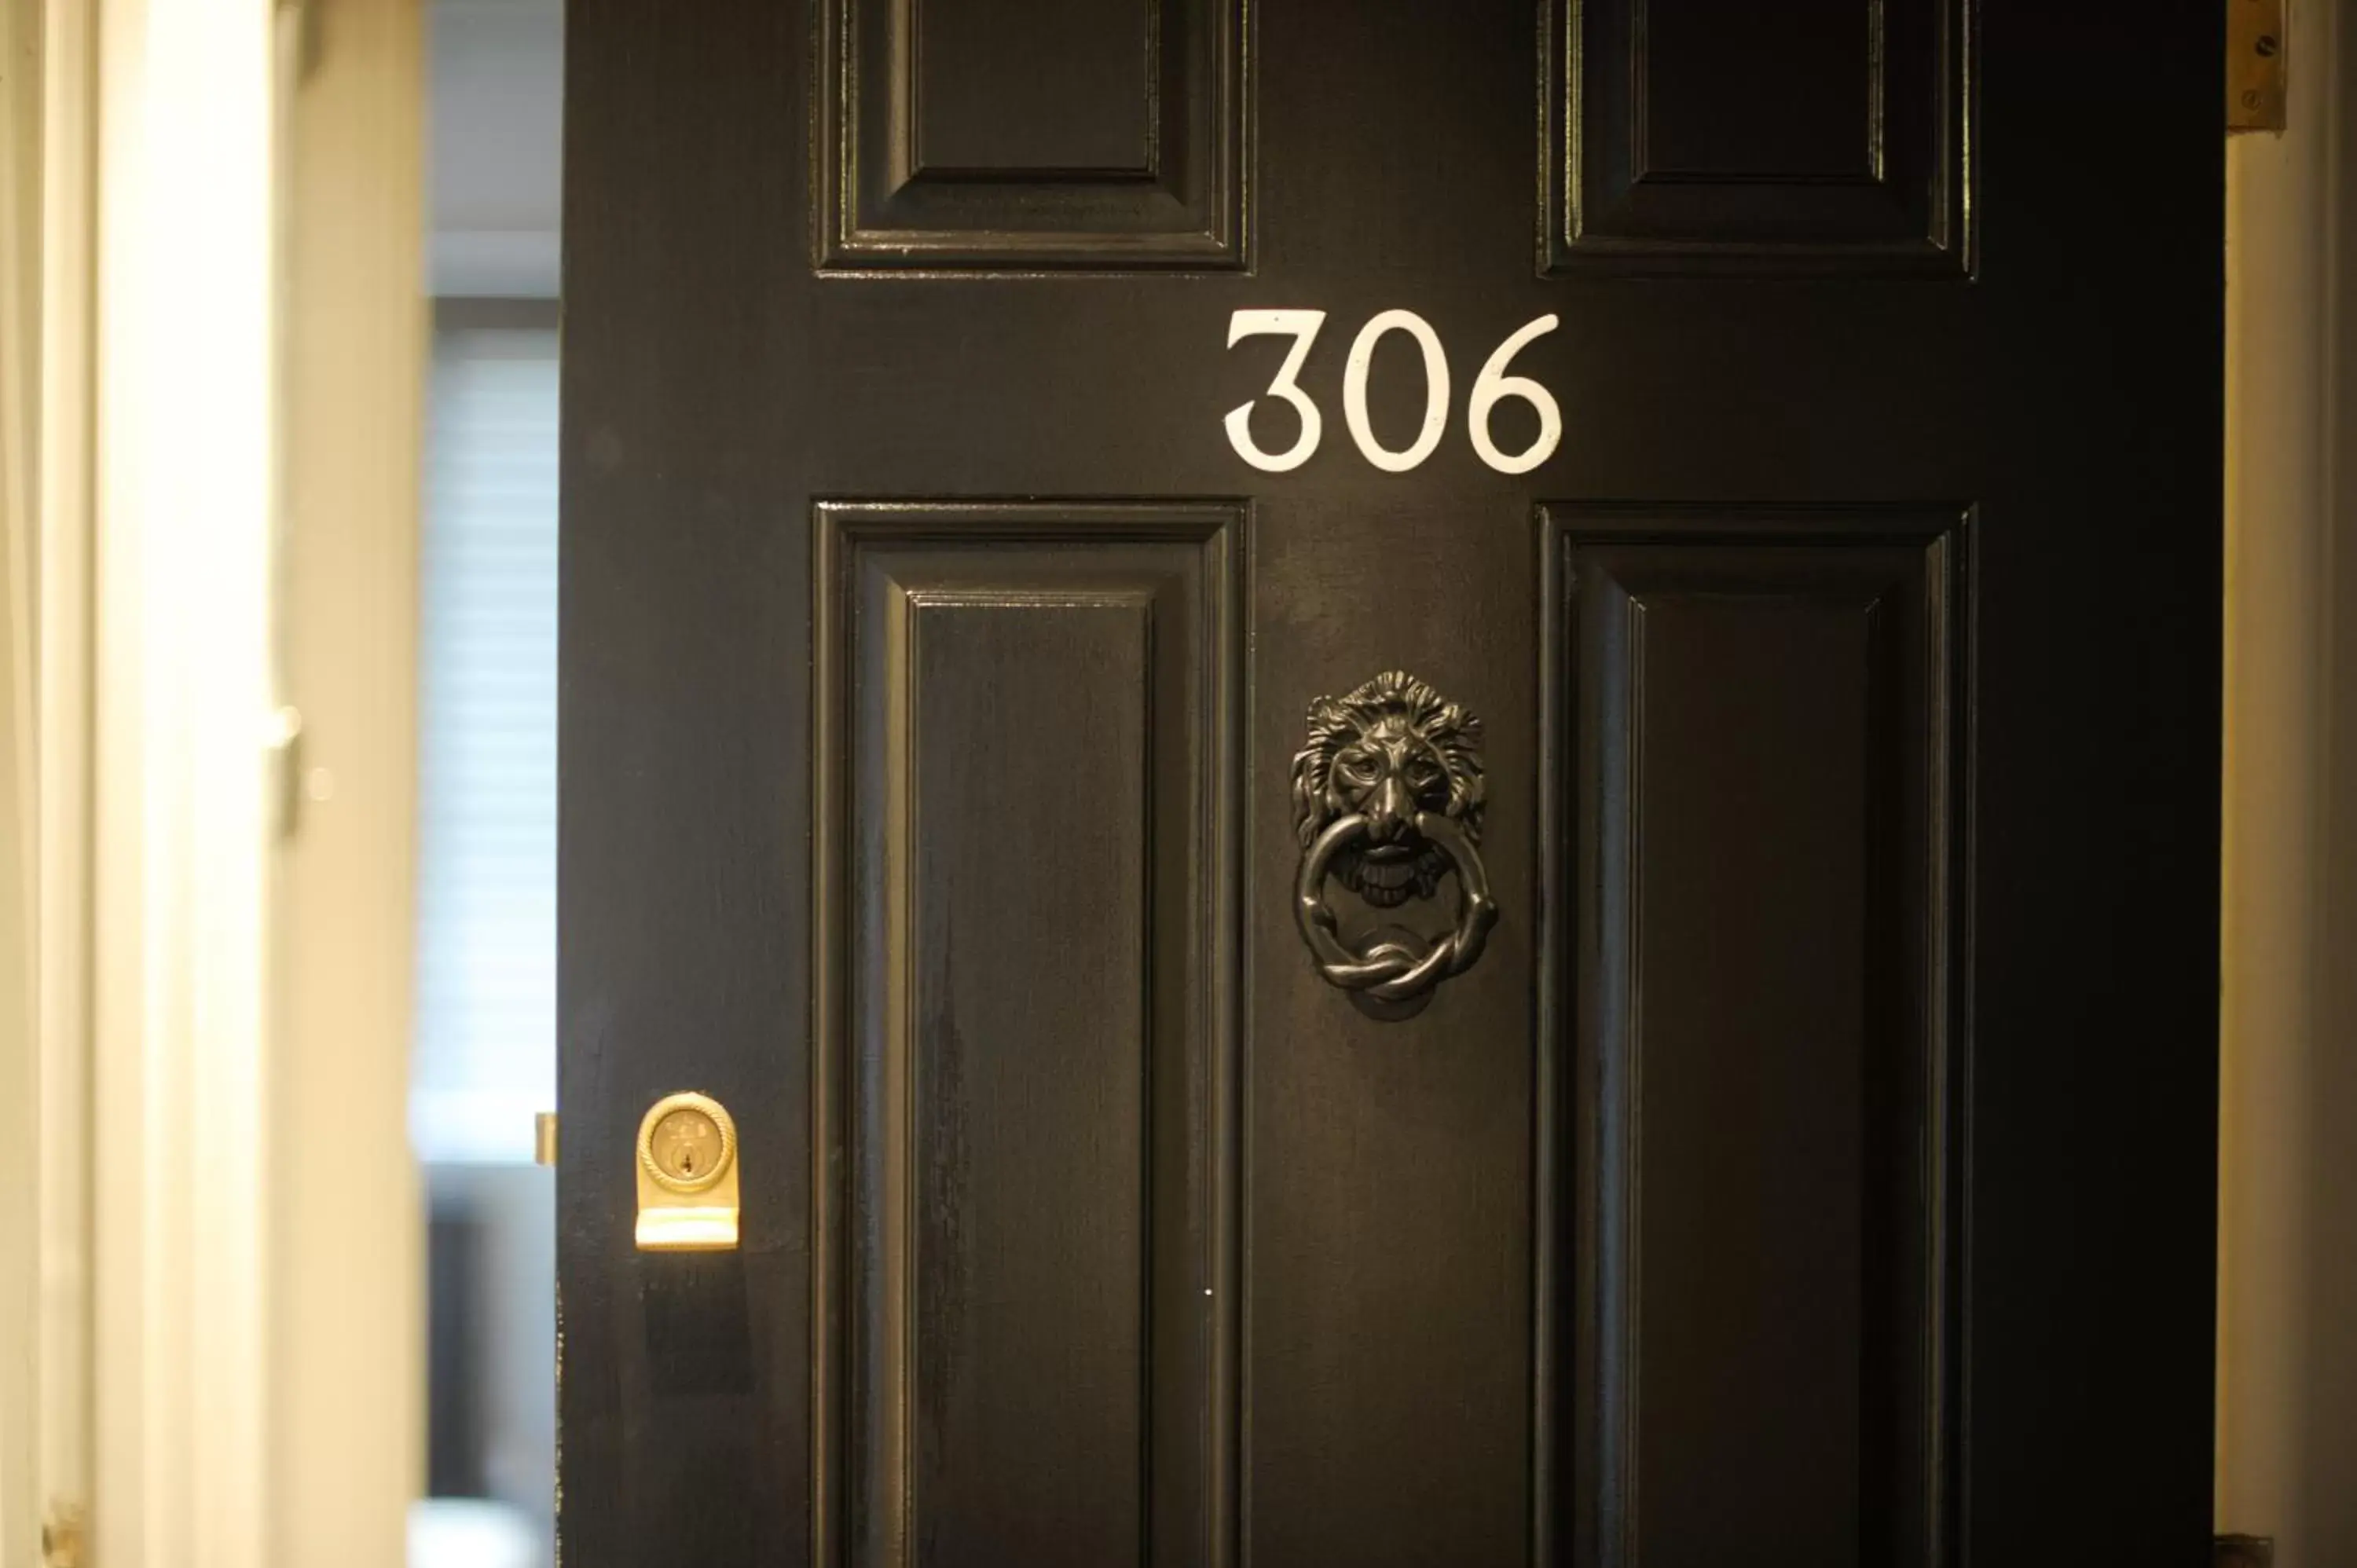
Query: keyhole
x=682, y=1142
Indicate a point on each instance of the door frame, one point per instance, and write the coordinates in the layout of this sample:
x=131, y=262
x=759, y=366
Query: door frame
x=178, y=525
x=2286, y=1345
x=159, y=243
x=48, y=227
x=205, y=1203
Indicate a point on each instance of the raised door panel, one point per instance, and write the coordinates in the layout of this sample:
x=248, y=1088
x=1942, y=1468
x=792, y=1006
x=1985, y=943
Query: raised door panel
x=1812, y=136
x=1026, y=938
x=1748, y=1268
x=1026, y=134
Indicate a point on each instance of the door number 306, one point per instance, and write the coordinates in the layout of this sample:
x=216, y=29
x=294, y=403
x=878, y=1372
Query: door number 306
x=1490, y=388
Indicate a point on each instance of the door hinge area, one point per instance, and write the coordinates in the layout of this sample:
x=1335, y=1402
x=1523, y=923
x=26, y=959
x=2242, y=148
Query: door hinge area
x=63, y=1538
x=2255, y=38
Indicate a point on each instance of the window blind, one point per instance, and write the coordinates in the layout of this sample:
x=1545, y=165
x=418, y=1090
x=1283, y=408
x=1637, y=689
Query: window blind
x=484, y=1056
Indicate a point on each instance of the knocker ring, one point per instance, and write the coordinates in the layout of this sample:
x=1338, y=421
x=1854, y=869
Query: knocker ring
x=1388, y=798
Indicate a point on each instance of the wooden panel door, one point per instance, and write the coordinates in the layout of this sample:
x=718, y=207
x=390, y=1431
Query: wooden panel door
x=1437, y=782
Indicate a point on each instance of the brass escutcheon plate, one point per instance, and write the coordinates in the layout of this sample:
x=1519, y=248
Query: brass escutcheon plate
x=688, y=1190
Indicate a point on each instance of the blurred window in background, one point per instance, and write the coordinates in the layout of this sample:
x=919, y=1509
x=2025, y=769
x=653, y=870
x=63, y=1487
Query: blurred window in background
x=484, y=1054
x=485, y=1057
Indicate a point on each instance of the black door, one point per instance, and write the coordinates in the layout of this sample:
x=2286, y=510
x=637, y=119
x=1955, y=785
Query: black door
x=1436, y=780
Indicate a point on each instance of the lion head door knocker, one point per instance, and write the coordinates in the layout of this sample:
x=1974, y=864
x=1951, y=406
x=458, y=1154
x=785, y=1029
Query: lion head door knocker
x=1386, y=800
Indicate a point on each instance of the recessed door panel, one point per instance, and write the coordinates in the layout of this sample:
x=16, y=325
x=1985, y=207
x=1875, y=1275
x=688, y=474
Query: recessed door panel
x=1823, y=136
x=1752, y=787
x=1092, y=135
x=1025, y=778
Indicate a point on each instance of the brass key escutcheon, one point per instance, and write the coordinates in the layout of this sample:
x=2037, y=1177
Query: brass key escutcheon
x=688, y=1193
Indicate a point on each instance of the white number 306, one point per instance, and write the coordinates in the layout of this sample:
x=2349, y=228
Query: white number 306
x=1490, y=388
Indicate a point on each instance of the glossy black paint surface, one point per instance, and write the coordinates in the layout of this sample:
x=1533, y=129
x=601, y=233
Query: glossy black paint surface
x=1901, y=895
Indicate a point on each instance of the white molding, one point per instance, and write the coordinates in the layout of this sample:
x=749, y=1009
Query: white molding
x=47, y=216
x=69, y=198
x=2284, y=271
x=21, y=1412
x=184, y=482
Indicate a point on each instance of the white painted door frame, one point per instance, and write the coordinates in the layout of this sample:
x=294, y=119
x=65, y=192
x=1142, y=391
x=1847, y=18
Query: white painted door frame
x=185, y=465
x=2287, y=1111
x=48, y=217
x=211, y=1273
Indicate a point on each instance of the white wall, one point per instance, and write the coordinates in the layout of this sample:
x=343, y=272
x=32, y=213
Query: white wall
x=347, y=1371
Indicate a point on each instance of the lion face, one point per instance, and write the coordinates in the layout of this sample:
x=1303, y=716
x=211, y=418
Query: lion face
x=1391, y=749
